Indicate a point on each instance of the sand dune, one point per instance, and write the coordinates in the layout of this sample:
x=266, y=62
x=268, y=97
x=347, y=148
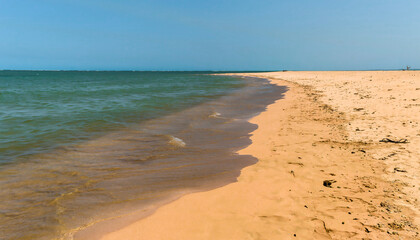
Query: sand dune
x=339, y=158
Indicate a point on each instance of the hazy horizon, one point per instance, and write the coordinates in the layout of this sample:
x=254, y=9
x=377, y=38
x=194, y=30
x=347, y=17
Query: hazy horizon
x=227, y=71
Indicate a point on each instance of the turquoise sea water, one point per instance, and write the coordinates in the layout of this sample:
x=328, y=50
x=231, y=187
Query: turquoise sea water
x=82, y=152
x=40, y=110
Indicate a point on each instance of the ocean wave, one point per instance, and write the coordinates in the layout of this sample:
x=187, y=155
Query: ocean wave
x=176, y=141
x=215, y=115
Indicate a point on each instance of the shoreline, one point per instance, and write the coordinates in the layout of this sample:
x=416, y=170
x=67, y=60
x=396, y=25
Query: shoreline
x=302, y=140
x=213, y=132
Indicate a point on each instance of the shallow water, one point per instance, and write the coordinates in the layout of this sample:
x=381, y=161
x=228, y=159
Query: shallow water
x=104, y=154
x=40, y=110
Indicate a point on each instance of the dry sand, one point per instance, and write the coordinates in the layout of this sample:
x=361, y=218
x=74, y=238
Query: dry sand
x=328, y=127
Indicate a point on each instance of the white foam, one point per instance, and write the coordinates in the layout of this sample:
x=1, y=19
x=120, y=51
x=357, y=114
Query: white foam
x=215, y=115
x=176, y=141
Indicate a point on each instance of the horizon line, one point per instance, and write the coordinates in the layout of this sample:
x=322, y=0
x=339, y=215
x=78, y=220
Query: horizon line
x=277, y=70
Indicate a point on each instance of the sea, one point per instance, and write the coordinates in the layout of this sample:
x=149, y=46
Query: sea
x=84, y=149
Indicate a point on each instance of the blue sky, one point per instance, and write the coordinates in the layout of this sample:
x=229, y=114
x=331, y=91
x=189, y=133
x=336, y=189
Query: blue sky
x=209, y=35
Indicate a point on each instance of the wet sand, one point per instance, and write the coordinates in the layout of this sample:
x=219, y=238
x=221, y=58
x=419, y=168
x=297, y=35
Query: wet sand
x=338, y=159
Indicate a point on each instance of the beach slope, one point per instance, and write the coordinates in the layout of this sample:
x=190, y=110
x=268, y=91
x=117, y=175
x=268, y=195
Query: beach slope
x=338, y=158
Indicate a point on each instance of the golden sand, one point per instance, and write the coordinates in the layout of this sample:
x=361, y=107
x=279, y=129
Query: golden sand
x=330, y=126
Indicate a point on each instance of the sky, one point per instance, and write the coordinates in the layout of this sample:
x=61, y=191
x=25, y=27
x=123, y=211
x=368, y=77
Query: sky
x=209, y=35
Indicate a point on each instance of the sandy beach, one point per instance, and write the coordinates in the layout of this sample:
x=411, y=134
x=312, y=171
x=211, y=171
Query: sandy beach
x=338, y=158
